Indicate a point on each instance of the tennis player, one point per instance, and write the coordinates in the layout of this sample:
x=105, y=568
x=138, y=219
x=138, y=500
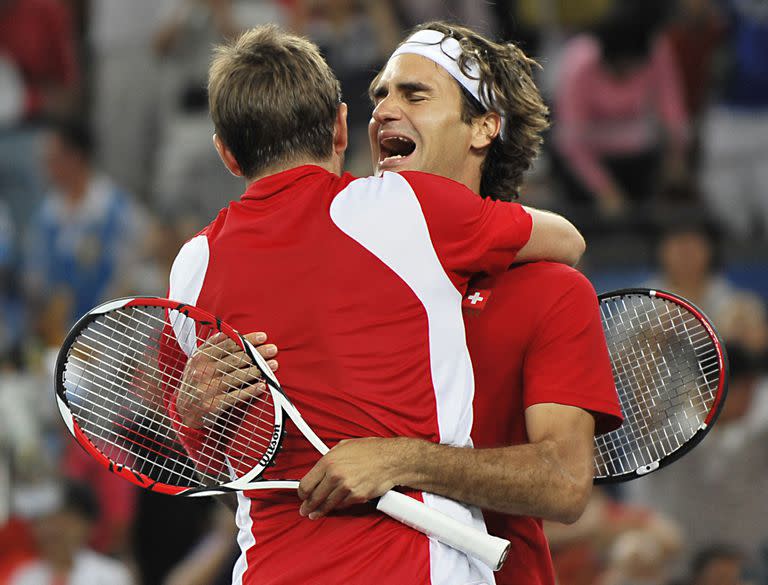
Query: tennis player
x=542, y=372
x=361, y=280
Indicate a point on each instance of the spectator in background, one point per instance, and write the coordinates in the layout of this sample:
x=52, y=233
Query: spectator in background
x=611, y=540
x=356, y=38
x=736, y=135
x=11, y=326
x=190, y=179
x=85, y=239
x=620, y=124
x=719, y=564
x=713, y=492
x=695, y=35
x=127, y=88
x=111, y=530
x=39, y=77
x=61, y=519
x=688, y=255
x=478, y=16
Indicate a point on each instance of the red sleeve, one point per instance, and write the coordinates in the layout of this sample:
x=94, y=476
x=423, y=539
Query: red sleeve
x=471, y=234
x=567, y=361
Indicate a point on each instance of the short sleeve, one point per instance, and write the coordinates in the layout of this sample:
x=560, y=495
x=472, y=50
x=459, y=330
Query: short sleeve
x=568, y=362
x=471, y=235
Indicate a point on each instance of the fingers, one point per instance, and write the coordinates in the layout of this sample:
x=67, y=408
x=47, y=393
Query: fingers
x=220, y=345
x=235, y=379
x=219, y=376
x=310, y=481
x=267, y=351
x=318, y=498
x=227, y=401
x=332, y=501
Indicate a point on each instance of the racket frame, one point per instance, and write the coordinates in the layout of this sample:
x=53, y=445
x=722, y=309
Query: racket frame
x=720, y=395
x=143, y=480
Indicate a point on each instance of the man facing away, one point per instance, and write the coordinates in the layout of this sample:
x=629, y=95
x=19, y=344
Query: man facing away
x=542, y=371
x=361, y=281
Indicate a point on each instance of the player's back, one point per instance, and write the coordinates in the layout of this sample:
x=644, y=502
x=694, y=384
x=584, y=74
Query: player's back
x=364, y=299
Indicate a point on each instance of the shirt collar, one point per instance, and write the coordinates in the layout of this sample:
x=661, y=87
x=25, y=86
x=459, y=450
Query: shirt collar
x=274, y=184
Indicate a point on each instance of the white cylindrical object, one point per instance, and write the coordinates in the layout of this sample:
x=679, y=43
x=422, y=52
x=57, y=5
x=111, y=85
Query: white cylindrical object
x=481, y=545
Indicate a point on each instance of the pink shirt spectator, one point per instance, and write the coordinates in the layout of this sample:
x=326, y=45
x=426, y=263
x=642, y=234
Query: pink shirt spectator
x=600, y=114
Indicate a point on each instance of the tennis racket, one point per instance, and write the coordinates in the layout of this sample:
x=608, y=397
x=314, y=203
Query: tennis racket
x=128, y=369
x=671, y=373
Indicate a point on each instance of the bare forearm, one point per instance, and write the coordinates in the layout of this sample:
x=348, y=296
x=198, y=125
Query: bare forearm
x=528, y=479
x=550, y=477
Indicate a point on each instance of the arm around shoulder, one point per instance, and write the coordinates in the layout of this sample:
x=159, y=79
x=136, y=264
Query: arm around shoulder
x=553, y=238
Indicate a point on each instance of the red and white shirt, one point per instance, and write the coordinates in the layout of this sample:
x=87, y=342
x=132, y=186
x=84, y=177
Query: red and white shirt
x=535, y=336
x=361, y=281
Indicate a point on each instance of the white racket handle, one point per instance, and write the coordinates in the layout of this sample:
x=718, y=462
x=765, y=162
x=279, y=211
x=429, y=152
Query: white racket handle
x=489, y=549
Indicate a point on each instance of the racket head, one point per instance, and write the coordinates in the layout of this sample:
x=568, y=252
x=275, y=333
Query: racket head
x=118, y=375
x=671, y=373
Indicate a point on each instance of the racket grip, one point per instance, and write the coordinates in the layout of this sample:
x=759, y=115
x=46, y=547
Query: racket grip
x=489, y=549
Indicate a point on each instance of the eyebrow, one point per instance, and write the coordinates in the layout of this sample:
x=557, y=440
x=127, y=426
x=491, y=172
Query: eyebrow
x=381, y=91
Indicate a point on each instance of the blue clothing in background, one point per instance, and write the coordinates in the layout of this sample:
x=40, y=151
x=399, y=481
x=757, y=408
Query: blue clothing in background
x=81, y=249
x=747, y=81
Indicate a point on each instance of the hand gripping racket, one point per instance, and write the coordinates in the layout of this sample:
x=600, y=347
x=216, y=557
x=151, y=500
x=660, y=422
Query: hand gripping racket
x=127, y=366
x=670, y=371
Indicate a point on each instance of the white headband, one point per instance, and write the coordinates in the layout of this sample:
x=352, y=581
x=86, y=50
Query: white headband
x=445, y=51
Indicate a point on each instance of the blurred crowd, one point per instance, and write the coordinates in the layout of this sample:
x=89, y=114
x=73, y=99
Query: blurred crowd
x=658, y=151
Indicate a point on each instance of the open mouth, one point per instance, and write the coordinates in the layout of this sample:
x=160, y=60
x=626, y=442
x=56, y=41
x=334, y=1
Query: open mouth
x=394, y=150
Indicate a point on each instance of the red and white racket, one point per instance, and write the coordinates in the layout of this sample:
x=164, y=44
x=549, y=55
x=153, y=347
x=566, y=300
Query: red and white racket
x=671, y=374
x=128, y=365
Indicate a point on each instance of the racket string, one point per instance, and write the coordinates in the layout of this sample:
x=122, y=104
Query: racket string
x=129, y=347
x=666, y=372
x=129, y=387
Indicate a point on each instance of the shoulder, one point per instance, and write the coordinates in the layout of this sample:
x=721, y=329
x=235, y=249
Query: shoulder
x=408, y=194
x=409, y=181
x=190, y=267
x=532, y=292
x=427, y=182
x=549, y=281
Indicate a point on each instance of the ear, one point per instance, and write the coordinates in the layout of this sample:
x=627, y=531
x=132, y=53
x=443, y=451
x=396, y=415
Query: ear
x=340, y=130
x=227, y=157
x=484, y=129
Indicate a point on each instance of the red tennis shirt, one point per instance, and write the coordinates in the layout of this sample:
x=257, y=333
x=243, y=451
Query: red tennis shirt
x=535, y=336
x=361, y=281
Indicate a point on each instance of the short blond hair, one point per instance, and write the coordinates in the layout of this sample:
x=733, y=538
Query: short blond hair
x=272, y=99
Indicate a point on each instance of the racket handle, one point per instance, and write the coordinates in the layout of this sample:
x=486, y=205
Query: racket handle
x=481, y=545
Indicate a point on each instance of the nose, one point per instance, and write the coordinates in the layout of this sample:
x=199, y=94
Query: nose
x=387, y=110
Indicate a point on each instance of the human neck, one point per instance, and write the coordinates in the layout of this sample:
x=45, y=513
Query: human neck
x=470, y=176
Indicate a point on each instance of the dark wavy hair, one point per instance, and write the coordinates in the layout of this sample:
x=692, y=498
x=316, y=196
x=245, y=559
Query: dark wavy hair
x=506, y=74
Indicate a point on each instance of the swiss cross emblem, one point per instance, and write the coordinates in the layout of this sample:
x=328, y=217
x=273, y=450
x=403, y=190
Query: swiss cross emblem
x=475, y=299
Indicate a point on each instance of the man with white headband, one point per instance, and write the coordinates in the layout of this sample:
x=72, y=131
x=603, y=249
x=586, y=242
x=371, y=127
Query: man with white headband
x=453, y=103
